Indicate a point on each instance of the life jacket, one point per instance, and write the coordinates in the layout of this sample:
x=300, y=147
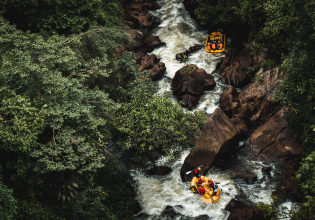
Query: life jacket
x=202, y=191
x=199, y=181
x=221, y=45
x=213, y=46
x=209, y=47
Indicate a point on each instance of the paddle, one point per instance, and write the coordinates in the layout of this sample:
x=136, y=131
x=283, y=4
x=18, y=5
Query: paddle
x=192, y=170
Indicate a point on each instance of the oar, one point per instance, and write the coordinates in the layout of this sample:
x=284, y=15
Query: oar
x=192, y=170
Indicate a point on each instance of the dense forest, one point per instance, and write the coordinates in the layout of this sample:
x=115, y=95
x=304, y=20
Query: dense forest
x=76, y=116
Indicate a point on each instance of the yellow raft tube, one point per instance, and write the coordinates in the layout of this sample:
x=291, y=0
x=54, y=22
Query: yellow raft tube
x=218, y=46
x=209, y=195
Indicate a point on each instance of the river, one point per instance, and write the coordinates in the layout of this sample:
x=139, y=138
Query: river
x=179, y=32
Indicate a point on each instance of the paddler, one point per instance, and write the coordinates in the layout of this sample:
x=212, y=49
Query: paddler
x=197, y=172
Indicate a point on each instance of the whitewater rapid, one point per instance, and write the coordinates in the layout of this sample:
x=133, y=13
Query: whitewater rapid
x=178, y=30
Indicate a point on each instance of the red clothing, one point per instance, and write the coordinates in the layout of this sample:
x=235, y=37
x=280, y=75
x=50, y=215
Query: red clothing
x=202, y=190
x=196, y=171
x=211, y=182
x=199, y=181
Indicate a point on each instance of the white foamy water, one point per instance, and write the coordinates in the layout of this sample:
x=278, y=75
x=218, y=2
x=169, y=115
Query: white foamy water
x=179, y=32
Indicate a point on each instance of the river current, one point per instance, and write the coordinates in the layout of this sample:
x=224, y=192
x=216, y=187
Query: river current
x=179, y=31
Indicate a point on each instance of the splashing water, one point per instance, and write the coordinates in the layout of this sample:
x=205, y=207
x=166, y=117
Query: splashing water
x=179, y=32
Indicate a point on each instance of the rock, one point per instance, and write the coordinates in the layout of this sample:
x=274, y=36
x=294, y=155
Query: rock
x=266, y=170
x=152, y=42
x=169, y=210
x=272, y=141
x=142, y=43
x=135, y=13
x=189, y=82
x=227, y=98
x=291, y=190
x=159, y=170
x=234, y=67
x=202, y=217
x=241, y=127
x=137, y=38
x=181, y=56
x=158, y=71
x=256, y=101
x=190, y=6
x=148, y=62
x=240, y=211
x=140, y=55
x=215, y=142
x=249, y=178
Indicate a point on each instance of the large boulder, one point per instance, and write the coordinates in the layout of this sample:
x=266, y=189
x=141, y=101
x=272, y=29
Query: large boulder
x=143, y=43
x=289, y=190
x=256, y=101
x=273, y=142
x=228, y=100
x=188, y=84
x=135, y=13
x=216, y=141
x=235, y=65
x=158, y=71
x=241, y=211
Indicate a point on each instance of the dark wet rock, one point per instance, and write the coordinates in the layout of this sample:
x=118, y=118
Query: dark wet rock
x=158, y=71
x=228, y=100
x=142, y=43
x=135, y=13
x=240, y=211
x=148, y=62
x=217, y=141
x=190, y=6
x=152, y=42
x=235, y=65
x=249, y=178
x=255, y=101
x=169, y=210
x=266, y=170
x=202, y=217
x=290, y=189
x=188, y=84
x=241, y=127
x=140, y=55
x=159, y=170
x=184, y=56
x=272, y=141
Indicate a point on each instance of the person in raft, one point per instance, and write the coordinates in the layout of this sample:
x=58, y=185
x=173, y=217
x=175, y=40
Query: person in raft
x=202, y=190
x=211, y=184
x=199, y=180
x=197, y=172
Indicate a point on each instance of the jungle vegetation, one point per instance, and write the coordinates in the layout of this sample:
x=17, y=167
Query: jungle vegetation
x=76, y=117
x=287, y=30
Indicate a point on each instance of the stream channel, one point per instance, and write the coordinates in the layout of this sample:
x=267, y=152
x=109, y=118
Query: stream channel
x=179, y=31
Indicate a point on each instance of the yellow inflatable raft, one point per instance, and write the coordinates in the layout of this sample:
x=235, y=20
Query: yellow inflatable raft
x=209, y=196
x=215, y=43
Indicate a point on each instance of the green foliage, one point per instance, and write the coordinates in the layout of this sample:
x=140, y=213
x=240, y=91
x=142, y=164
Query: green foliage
x=69, y=108
x=152, y=126
x=270, y=211
x=7, y=201
x=61, y=16
x=306, y=175
x=274, y=210
x=267, y=64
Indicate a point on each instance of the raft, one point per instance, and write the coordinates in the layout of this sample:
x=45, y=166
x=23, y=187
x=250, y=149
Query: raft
x=209, y=195
x=215, y=36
